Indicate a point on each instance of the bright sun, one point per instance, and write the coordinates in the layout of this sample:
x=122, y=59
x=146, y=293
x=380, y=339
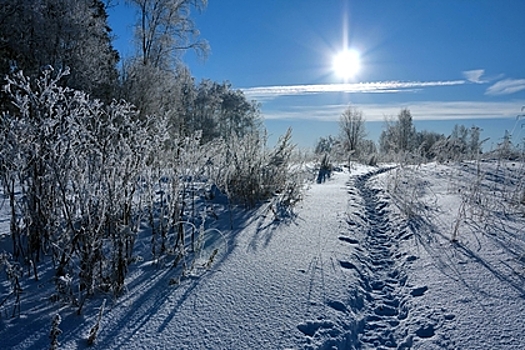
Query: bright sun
x=346, y=64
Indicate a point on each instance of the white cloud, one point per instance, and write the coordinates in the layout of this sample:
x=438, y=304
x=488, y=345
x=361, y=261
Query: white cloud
x=506, y=87
x=267, y=92
x=474, y=76
x=420, y=110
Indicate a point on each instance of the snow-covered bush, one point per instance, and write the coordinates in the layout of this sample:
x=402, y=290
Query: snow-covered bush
x=325, y=169
x=13, y=272
x=255, y=174
x=76, y=163
x=55, y=332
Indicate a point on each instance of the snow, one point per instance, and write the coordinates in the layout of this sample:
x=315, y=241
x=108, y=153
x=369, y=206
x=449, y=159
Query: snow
x=422, y=257
x=476, y=290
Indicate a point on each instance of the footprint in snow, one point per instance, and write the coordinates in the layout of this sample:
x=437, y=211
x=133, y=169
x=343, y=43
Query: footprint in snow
x=336, y=305
x=426, y=331
x=347, y=265
x=309, y=328
x=348, y=240
x=386, y=310
x=351, y=222
x=411, y=258
x=417, y=292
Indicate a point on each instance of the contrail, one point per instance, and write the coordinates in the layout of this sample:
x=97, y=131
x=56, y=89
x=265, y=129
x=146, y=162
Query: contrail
x=369, y=87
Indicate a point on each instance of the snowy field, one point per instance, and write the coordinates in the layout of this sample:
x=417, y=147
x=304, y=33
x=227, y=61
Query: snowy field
x=426, y=257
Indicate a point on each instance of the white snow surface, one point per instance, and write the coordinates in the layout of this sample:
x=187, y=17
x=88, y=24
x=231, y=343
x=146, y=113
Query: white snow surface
x=427, y=257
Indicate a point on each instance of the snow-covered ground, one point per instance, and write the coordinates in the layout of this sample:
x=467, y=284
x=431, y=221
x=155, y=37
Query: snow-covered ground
x=427, y=257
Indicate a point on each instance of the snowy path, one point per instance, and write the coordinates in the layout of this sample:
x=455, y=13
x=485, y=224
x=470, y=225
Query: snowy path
x=383, y=286
x=390, y=316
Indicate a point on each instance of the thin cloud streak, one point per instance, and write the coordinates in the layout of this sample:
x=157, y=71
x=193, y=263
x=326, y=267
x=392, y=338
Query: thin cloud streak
x=420, y=110
x=267, y=92
x=506, y=87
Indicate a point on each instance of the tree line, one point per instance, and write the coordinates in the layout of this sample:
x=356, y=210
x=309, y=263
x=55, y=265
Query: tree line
x=399, y=141
x=75, y=35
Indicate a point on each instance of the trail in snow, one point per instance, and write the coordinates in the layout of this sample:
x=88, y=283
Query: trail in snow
x=387, y=317
x=385, y=307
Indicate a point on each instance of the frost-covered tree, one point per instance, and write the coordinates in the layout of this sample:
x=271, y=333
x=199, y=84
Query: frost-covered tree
x=157, y=83
x=214, y=109
x=399, y=136
x=220, y=111
x=152, y=90
x=186, y=93
x=405, y=131
x=368, y=147
x=352, y=127
x=425, y=141
x=325, y=145
x=466, y=141
x=387, y=138
x=164, y=30
x=59, y=33
x=460, y=133
x=475, y=142
x=449, y=149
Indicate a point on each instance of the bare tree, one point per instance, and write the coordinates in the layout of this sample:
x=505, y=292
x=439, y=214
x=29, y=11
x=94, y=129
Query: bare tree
x=164, y=29
x=352, y=126
x=163, y=32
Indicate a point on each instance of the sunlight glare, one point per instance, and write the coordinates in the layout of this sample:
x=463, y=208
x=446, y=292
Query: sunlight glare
x=346, y=64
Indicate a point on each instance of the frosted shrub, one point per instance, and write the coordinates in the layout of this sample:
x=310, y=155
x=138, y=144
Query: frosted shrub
x=77, y=163
x=284, y=177
x=174, y=187
x=55, y=332
x=13, y=273
x=82, y=176
x=93, y=332
x=255, y=174
x=448, y=150
x=241, y=162
x=325, y=169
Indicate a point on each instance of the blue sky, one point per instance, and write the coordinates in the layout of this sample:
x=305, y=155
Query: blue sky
x=449, y=62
